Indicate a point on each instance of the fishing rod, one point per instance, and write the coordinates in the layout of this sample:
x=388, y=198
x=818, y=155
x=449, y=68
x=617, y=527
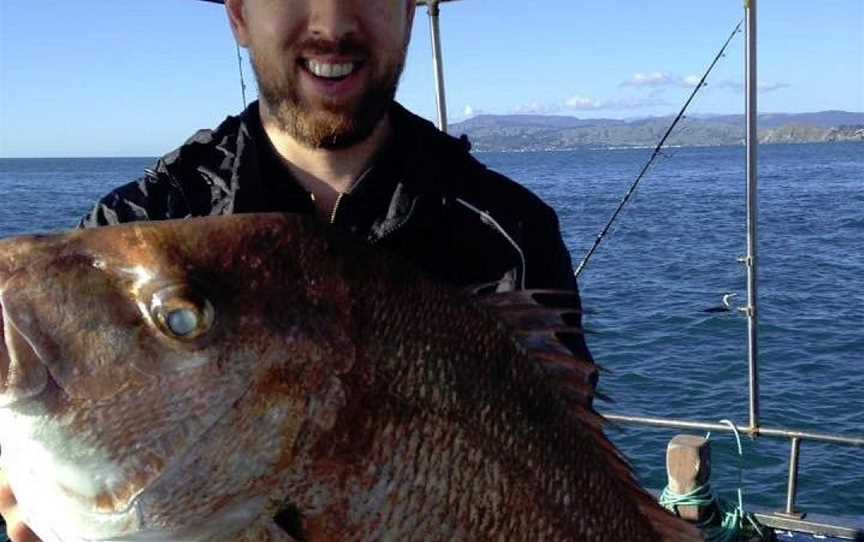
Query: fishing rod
x=242, y=79
x=655, y=154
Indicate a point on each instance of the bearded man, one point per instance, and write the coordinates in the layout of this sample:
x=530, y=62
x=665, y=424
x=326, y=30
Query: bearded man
x=327, y=138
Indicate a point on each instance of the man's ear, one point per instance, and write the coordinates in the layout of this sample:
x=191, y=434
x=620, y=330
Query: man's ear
x=236, y=10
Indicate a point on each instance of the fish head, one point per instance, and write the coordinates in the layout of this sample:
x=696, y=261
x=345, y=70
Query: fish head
x=123, y=346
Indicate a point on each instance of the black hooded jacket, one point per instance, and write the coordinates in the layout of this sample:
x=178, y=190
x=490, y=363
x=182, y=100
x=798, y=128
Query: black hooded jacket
x=425, y=198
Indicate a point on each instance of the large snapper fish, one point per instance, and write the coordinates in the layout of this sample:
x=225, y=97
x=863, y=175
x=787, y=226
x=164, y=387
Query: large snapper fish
x=258, y=377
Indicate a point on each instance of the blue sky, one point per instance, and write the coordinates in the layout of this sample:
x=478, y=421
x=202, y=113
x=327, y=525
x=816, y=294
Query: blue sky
x=137, y=77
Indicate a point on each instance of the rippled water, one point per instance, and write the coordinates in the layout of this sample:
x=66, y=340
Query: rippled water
x=672, y=255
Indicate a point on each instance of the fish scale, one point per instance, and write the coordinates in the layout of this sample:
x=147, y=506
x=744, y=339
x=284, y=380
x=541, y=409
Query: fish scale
x=338, y=388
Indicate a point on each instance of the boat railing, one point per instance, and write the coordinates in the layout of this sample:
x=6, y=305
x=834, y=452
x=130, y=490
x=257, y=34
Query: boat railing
x=789, y=519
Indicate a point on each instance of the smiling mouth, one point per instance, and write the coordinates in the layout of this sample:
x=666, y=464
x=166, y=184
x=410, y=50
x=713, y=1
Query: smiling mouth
x=330, y=71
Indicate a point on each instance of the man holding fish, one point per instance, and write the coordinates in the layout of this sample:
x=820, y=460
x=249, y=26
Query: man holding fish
x=326, y=138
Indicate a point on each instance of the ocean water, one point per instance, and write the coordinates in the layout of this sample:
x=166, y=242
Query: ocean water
x=672, y=255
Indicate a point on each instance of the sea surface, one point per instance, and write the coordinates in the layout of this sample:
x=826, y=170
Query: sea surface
x=672, y=254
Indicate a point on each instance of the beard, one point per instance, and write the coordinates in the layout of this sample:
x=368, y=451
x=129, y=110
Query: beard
x=330, y=124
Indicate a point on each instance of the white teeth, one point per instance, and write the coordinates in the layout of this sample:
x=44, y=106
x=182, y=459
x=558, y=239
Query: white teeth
x=330, y=71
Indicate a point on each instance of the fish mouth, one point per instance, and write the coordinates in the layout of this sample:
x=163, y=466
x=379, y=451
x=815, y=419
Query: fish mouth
x=23, y=375
x=112, y=502
x=87, y=483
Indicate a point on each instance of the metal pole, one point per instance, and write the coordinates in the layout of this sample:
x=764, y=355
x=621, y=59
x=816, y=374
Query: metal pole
x=438, y=60
x=793, y=479
x=778, y=432
x=751, y=260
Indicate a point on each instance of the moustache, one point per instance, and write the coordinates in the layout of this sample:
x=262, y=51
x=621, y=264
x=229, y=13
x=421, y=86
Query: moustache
x=348, y=45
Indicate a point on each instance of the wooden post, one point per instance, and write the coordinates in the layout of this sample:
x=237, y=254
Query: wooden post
x=688, y=465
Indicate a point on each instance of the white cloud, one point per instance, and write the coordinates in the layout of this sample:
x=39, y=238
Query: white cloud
x=537, y=108
x=738, y=86
x=770, y=87
x=581, y=103
x=727, y=84
x=470, y=111
x=639, y=103
x=691, y=80
x=652, y=79
x=467, y=112
x=660, y=80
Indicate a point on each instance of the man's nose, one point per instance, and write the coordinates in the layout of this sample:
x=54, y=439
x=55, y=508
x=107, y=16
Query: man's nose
x=333, y=19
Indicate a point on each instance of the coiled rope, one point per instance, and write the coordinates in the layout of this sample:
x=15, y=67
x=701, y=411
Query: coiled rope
x=730, y=524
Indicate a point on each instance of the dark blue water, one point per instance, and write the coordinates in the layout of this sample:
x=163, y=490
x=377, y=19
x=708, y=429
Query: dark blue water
x=672, y=255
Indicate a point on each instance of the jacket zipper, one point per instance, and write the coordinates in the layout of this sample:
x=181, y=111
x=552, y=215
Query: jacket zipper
x=396, y=227
x=351, y=187
x=336, y=207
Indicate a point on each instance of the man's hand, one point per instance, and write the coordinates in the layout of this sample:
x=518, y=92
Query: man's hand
x=15, y=528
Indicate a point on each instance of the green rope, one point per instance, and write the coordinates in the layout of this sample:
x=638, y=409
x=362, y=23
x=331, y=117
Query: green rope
x=731, y=526
x=731, y=518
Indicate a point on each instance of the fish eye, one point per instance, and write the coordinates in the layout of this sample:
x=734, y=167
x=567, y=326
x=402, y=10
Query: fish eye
x=182, y=322
x=181, y=313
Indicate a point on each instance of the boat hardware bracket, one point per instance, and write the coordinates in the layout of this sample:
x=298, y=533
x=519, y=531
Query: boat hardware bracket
x=790, y=512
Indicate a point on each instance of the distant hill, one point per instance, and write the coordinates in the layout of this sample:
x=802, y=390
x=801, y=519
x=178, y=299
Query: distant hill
x=548, y=132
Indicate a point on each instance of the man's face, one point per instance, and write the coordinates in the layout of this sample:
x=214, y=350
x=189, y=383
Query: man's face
x=327, y=70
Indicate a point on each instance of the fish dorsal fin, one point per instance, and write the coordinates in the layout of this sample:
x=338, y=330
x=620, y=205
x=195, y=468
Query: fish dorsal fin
x=547, y=324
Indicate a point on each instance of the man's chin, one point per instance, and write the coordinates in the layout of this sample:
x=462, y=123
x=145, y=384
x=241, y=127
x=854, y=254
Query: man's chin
x=328, y=129
x=327, y=122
